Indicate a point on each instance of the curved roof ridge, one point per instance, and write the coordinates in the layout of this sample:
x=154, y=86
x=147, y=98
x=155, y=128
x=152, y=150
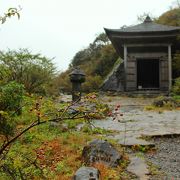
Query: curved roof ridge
x=147, y=26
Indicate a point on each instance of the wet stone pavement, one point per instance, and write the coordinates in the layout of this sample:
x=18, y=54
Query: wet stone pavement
x=136, y=123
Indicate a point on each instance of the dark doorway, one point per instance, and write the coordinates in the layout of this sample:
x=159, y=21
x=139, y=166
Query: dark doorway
x=147, y=73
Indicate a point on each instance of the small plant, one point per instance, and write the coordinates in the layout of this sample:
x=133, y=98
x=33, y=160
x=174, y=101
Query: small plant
x=142, y=148
x=6, y=124
x=88, y=128
x=155, y=170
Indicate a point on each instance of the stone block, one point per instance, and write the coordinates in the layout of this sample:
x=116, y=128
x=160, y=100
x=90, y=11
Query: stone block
x=100, y=151
x=87, y=173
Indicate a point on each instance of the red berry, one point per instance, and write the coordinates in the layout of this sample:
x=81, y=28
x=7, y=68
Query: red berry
x=118, y=106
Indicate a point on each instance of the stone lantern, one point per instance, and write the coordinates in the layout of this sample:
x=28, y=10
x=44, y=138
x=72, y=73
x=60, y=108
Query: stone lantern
x=77, y=76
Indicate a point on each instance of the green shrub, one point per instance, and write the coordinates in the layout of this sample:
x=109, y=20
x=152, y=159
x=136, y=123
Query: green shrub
x=92, y=83
x=11, y=96
x=176, y=87
x=6, y=124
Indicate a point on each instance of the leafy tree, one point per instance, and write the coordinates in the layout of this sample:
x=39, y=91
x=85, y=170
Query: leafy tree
x=171, y=17
x=92, y=83
x=106, y=61
x=34, y=71
x=176, y=87
x=102, y=39
x=176, y=65
x=6, y=124
x=11, y=96
x=62, y=82
x=81, y=57
x=4, y=74
x=92, y=51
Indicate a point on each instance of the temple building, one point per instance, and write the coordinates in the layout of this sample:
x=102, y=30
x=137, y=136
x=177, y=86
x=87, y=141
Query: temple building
x=146, y=51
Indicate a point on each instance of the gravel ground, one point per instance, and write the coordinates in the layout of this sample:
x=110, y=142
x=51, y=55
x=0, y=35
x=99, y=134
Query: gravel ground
x=167, y=158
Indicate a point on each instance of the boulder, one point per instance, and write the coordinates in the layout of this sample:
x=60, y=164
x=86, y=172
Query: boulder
x=87, y=173
x=100, y=151
x=115, y=81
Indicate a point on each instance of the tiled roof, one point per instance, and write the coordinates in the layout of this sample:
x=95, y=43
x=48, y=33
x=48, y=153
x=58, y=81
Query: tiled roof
x=147, y=26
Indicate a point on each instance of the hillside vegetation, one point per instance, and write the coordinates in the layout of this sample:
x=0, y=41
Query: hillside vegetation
x=96, y=61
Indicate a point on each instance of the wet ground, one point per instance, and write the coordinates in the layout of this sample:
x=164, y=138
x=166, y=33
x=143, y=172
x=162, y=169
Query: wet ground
x=137, y=123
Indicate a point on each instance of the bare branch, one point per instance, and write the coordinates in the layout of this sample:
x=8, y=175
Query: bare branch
x=11, y=12
x=36, y=123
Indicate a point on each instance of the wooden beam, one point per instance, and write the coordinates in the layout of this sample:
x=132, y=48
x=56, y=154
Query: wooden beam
x=125, y=64
x=170, y=66
x=148, y=45
x=143, y=36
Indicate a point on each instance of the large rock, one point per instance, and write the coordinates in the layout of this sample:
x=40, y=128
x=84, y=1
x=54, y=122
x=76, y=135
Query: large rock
x=87, y=173
x=115, y=80
x=101, y=151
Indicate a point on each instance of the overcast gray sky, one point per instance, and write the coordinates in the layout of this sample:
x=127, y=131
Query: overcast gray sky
x=60, y=28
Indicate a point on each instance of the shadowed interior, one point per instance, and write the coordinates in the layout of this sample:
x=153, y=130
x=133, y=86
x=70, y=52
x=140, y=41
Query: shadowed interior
x=147, y=73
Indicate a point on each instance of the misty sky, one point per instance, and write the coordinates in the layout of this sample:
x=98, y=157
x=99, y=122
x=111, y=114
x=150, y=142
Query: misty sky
x=60, y=28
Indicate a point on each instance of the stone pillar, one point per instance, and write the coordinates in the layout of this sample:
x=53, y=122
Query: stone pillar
x=170, y=67
x=125, y=56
